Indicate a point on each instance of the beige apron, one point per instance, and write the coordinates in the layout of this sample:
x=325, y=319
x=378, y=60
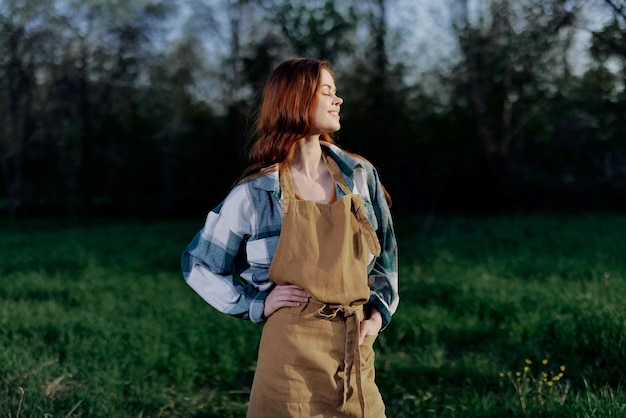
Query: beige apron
x=310, y=363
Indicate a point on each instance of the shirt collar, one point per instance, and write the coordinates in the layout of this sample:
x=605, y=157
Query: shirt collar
x=268, y=182
x=347, y=163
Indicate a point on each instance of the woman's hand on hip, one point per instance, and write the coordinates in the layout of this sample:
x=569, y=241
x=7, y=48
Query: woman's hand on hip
x=371, y=325
x=283, y=296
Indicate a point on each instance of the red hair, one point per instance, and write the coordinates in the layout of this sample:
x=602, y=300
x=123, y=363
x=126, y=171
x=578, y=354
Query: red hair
x=286, y=113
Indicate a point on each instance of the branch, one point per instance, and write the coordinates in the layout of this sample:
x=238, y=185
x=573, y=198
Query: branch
x=618, y=9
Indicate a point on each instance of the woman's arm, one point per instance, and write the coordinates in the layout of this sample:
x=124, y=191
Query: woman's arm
x=207, y=262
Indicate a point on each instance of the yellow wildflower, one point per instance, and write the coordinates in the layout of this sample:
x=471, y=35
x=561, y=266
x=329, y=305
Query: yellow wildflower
x=545, y=361
x=528, y=361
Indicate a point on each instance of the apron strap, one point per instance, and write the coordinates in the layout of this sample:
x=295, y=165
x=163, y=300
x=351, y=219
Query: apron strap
x=357, y=206
x=286, y=186
x=335, y=172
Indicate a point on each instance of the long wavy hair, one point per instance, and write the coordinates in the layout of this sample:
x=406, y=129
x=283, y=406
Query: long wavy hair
x=286, y=114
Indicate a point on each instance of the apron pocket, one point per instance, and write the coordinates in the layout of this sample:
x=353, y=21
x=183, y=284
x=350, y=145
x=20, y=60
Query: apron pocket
x=301, y=359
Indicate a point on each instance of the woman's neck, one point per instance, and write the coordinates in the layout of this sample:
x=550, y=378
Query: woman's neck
x=311, y=179
x=307, y=157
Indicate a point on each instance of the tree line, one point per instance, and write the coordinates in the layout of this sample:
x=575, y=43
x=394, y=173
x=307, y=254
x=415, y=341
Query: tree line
x=145, y=108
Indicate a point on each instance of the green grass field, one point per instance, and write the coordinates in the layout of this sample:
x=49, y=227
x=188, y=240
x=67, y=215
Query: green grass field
x=499, y=317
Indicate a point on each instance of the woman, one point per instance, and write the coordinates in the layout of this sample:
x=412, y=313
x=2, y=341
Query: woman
x=303, y=243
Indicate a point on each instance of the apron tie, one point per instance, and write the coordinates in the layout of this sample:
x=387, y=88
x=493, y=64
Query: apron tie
x=365, y=226
x=352, y=351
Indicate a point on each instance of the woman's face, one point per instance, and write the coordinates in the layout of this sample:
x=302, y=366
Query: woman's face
x=327, y=111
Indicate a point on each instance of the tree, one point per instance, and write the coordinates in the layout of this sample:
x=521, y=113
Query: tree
x=610, y=41
x=511, y=58
x=26, y=42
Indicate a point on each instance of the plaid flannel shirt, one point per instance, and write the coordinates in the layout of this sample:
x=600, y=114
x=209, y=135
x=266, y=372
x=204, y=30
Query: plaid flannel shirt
x=227, y=262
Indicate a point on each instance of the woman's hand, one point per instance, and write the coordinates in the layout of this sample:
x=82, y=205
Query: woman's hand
x=283, y=296
x=371, y=325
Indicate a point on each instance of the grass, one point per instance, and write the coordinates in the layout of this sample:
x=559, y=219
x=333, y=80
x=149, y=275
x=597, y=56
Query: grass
x=96, y=321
